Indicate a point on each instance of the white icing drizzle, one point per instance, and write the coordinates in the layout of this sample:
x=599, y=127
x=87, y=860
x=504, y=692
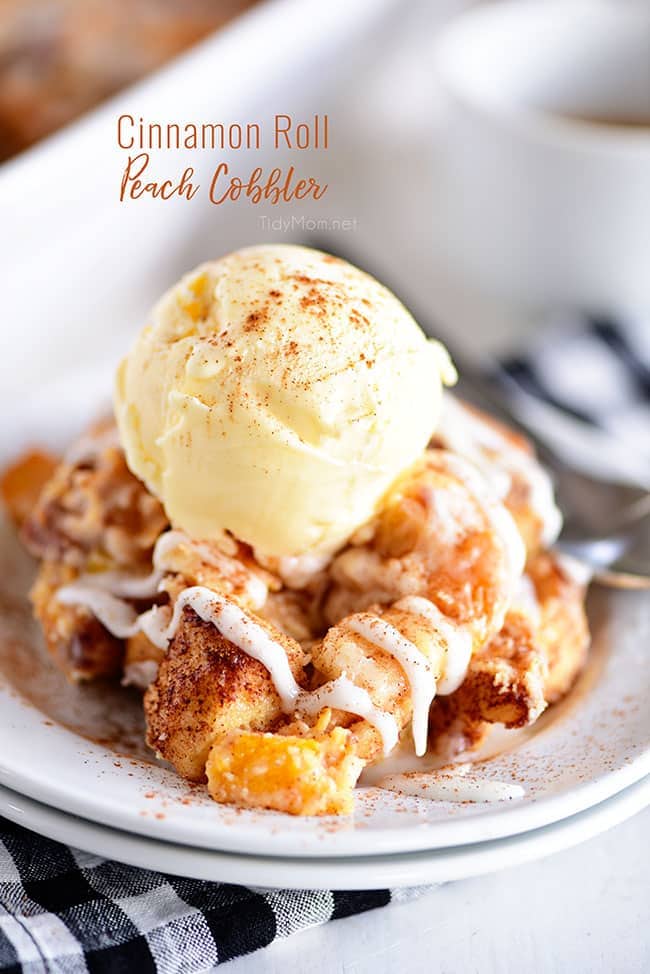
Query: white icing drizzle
x=115, y=614
x=130, y=586
x=154, y=624
x=577, y=571
x=417, y=667
x=160, y=625
x=469, y=436
x=525, y=598
x=233, y=623
x=343, y=694
x=255, y=588
x=451, y=786
x=100, y=593
x=297, y=571
x=502, y=522
x=103, y=593
x=442, y=517
x=458, y=640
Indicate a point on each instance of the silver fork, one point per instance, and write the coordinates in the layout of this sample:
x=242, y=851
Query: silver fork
x=606, y=522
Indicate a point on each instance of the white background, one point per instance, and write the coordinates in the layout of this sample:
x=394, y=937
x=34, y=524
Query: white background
x=585, y=911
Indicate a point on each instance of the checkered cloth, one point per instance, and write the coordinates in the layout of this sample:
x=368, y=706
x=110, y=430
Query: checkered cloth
x=583, y=383
x=65, y=911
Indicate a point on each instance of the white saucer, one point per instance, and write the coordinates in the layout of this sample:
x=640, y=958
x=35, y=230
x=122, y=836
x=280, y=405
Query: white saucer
x=360, y=872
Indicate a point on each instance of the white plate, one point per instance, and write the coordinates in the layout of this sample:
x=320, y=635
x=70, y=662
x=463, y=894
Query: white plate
x=370, y=872
x=591, y=746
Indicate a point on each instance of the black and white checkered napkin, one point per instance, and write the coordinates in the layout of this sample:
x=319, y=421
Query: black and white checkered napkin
x=583, y=383
x=593, y=368
x=65, y=911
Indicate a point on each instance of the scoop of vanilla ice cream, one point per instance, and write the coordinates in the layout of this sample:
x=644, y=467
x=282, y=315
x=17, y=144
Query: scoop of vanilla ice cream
x=277, y=394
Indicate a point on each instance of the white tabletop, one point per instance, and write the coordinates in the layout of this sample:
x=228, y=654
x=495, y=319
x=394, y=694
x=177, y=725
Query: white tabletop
x=586, y=909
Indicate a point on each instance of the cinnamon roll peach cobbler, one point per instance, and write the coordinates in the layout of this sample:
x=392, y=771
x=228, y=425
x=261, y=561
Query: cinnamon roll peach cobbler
x=306, y=553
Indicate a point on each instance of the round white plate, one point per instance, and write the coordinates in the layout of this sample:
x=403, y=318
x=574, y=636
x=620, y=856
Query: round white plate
x=80, y=750
x=357, y=872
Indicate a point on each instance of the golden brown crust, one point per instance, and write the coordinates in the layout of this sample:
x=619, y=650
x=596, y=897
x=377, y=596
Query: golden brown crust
x=460, y=568
x=505, y=679
x=519, y=498
x=453, y=730
x=22, y=482
x=140, y=649
x=207, y=688
x=563, y=630
x=79, y=644
x=94, y=511
x=295, y=612
x=532, y=662
x=90, y=513
x=231, y=574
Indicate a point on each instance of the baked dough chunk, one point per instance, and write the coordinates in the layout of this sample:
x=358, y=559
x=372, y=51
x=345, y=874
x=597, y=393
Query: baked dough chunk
x=22, y=482
x=78, y=643
x=355, y=648
x=437, y=536
x=208, y=688
x=563, y=630
x=93, y=512
x=509, y=462
x=532, y=662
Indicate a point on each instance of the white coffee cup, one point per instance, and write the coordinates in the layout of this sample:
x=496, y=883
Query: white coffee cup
x=544, y=206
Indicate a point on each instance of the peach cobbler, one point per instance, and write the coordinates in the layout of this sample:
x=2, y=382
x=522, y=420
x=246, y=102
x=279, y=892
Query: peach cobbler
x=305, y=552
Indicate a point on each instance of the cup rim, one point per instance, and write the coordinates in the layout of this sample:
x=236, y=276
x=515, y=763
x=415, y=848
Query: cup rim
x=532, y=121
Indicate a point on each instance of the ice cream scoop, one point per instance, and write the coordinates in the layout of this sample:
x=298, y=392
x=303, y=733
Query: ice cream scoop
x=276, y=394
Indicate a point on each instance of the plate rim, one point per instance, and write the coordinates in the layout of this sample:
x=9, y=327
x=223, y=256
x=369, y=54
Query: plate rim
x=102, y=793
x=400, y=870
x=500, y=823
